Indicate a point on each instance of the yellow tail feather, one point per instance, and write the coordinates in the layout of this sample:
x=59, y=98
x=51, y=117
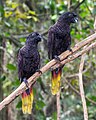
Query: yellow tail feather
x=27, y=101
x=56, y=76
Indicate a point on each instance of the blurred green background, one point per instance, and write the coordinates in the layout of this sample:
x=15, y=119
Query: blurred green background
x=18, y=18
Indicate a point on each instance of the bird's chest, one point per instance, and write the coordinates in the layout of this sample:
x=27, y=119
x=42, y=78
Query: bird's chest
x=62, y=42
x=31, y=62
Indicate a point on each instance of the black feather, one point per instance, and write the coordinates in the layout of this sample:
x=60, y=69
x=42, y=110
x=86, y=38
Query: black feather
x=59, y=38
x=28, y=57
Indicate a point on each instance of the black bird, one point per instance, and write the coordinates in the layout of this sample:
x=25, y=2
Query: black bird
x=59, y=40
x=28, y=63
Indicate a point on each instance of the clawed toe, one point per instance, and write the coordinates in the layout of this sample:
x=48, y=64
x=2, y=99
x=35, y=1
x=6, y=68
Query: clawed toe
x=38, y=70
x=26, y=82
x=70, y=49
x=57, y=58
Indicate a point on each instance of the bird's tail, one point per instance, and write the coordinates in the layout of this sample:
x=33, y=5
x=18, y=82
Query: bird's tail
x=56, y=76
x=27, y=101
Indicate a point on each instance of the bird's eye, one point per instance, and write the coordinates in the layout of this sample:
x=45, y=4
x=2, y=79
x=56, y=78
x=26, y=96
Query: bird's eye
x=74, y=14
x=33, y=34
x=70, y=15
x=37, y=34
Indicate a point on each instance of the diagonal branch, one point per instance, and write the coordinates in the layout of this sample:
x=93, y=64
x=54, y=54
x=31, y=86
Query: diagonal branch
x=33, y=78
x=76, y=55
x=77, y=47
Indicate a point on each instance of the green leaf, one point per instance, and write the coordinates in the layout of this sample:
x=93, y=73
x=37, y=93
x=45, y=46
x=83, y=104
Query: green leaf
x=46, y=61
x=6, y=84
x=54, y=116
x=14, y=4
x=32, y=12
x=19, y=104
x=35, y=18
x=7, y=24
x=52, y=4
x=16, y=83
x=40, y=104
x=1, y=11
x=11, y=67
x=7, y=34
x=22, y=40
x=34, y=91
x=2, y=78
x=40, y=115
x=54, y=17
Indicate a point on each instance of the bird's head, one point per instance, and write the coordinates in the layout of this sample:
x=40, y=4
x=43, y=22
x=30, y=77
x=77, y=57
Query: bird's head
x=69, y=17
x=34, y=38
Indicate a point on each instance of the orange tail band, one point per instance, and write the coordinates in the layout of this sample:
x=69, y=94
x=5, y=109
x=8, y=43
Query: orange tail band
x=56, y=76
x=27, y=101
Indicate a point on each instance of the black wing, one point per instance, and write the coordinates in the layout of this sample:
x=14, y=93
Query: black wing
x=20, y=65
x=51, y=43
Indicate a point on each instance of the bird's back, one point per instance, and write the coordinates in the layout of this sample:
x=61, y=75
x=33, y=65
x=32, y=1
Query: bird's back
x=60, y=39
x=29, y=61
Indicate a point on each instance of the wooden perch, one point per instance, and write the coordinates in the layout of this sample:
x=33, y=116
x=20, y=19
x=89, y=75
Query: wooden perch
x=33, y=78
x=58, y=105
x=81, y=86
x=76, y=55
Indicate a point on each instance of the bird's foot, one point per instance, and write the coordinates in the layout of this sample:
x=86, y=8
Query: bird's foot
x=38, y=70
x=57, y=60
x=70, y=49
x=71, y=56
x=51, y=69
x=26, y=82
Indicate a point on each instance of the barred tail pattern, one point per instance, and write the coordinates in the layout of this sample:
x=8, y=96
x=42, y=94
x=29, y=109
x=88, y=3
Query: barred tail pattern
x=56, y=76
x=27, y=101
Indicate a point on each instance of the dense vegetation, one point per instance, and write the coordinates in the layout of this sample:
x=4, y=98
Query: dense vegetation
x=17, y=20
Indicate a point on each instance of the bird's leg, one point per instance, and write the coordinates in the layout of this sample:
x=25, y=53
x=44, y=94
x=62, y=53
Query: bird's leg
x=69, y=48
x=38, y=70
x=70, y=51
x=51, y=69
x=26, y=82
x=57, y=59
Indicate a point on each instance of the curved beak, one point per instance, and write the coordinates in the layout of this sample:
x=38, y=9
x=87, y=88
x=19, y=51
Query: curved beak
x=39, y=38
x=76, y=19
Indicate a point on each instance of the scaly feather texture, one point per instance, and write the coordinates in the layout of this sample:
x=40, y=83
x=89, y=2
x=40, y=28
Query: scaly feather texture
x=28, y=63
x=56, y=76
x=59, y=40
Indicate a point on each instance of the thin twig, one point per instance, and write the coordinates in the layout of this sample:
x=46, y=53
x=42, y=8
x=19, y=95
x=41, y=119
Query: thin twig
x=82, y=88
x=34, y=77
x=76, y=74
x=13, y=40
x=89, y=9
x=78, y=5
x=77, y=92
x=24, y=35
x=95, y=23
x=58, y=105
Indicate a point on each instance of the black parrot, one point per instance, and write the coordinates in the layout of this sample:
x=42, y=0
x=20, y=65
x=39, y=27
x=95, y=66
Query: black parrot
x=28, y=63
x=59, y=40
